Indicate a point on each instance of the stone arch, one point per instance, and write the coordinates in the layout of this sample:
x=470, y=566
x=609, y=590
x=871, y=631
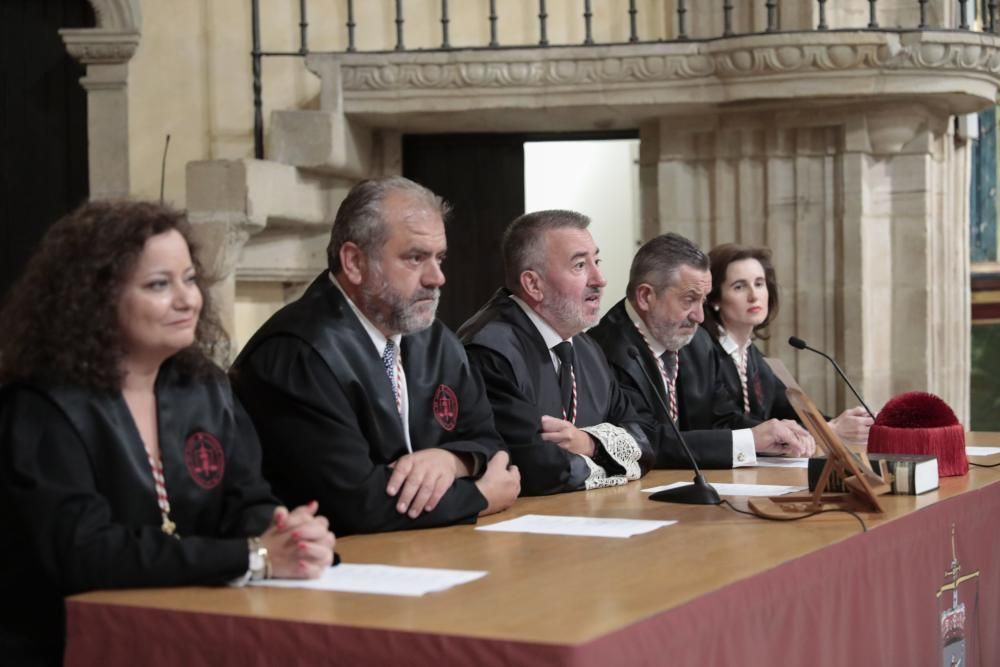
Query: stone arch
x=118, y=15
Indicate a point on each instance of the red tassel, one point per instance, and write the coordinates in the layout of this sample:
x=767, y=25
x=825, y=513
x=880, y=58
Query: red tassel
x=947, y=443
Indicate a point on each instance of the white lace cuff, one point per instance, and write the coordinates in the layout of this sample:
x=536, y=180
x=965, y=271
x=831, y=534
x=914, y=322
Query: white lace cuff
x=621, y=447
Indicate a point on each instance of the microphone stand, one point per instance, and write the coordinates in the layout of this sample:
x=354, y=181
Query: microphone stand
x=699, y=492
x=800, y=344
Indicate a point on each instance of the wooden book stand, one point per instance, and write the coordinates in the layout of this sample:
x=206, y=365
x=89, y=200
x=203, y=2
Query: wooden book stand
x=863, y=485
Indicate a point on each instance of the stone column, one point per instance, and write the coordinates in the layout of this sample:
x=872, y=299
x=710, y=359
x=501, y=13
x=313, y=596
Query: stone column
x=106, y=55
x=915, y=257
x=219, y=208
x=106, y=51
x=865, y=218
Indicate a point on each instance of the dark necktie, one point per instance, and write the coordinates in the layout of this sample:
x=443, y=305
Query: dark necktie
x=567, y=381
x=389, y=361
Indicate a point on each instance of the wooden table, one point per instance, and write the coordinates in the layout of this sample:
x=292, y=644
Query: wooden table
x=716, y=588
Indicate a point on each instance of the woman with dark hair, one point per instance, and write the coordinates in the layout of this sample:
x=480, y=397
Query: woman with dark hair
x=125, y=461
x=743, y=301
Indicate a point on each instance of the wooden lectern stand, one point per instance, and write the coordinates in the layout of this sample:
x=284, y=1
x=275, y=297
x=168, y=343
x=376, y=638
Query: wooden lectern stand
x=863, y=485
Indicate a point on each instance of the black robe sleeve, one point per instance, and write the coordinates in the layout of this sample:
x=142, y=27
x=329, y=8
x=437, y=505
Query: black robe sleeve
x=768, y=399
x=314, y=447
x=248, y=504
x=66, y=528
x=545, y=467
x=768, y=393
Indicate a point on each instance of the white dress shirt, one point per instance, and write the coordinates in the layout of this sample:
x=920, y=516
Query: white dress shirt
x=549, y=335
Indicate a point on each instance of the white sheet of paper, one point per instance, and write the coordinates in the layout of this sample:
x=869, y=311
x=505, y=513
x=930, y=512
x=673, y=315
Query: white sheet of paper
x=380, y=579
x=576, y=525
x=737, y=489
x=781, y=462
x=982, y=451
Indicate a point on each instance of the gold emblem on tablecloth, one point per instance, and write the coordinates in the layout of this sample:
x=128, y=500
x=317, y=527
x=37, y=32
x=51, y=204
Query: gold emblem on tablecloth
x=953, y=618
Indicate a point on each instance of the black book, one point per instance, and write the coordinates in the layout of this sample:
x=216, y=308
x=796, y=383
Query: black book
x=911, y=474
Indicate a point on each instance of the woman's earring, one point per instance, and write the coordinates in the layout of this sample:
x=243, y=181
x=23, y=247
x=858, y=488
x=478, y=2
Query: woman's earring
x=715, y=307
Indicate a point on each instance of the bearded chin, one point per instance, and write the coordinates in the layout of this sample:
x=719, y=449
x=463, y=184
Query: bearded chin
x=411, y=318
x=684, y=340
x=671, y=338
x=389, y=311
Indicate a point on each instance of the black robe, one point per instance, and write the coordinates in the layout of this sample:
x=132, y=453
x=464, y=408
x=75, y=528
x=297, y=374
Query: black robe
x=706, y=411
x=522, y=386
x=768, y=399
x=79, y=508
x=319, y=396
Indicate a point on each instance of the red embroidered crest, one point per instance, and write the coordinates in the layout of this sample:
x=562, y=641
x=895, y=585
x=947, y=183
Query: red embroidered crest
x=446, y=407
x=205, y=460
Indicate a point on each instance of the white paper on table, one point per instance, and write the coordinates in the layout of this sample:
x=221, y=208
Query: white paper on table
x=737, y=489
x=781, y=462
x=982, y=451
x=576, y=525
x=380, y=579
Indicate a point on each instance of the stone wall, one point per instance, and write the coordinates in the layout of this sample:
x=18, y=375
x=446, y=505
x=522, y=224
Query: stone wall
x=863, y=209
x=837, y=148
x=191, y=75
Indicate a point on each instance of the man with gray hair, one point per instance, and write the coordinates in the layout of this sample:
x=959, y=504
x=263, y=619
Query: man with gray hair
x=558, y=407
x=656, y=325
x=362, y=399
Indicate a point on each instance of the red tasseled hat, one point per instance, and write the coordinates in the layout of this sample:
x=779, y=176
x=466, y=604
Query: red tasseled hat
x=920, y=423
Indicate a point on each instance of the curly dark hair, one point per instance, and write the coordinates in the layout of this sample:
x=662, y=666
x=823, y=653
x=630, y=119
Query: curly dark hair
x=61, y=317
x=721, y=256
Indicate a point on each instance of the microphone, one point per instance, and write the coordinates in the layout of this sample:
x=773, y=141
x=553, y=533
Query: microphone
x=699, y=492
x=800, y=344
x=163, y=167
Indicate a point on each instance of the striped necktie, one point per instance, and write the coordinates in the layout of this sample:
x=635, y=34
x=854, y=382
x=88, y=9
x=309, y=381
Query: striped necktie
x=741, y=367
x=670, y=365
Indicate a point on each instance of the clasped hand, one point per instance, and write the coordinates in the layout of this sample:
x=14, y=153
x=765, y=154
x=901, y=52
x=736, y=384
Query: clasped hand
x=783, y=438
x=420, y=479
x=299, y=543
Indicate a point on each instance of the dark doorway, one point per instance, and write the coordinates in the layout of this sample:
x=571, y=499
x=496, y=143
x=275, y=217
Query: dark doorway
x=43, y=125
x=482, y=176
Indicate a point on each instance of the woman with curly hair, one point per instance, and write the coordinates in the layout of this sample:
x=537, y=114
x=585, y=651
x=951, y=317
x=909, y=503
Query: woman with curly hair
x=743, y=301
x=125, y=461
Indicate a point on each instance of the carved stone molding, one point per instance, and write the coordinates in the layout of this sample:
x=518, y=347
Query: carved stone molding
x=98, y=47
x=761, y=55
x=220, y=241
x=960, y=69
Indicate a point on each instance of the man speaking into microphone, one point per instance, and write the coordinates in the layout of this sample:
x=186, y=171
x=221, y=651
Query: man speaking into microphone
x=656, y=325
x=567, y=423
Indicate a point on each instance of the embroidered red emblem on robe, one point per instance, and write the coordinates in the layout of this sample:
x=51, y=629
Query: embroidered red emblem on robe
x=205, y=460
x=446, y=407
